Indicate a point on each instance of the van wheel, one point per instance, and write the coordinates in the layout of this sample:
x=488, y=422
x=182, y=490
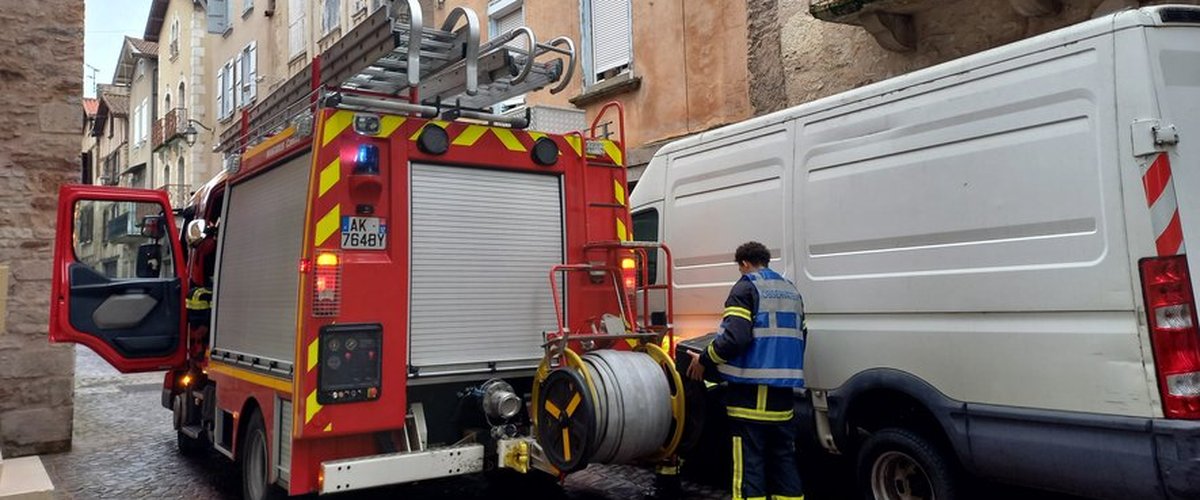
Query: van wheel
x=898, y=464
x=255, y=462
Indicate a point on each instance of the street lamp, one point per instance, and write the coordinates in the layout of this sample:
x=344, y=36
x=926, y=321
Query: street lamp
x=190, y=133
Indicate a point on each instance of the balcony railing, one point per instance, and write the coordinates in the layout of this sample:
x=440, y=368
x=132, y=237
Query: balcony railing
x=113, y=164
x=126, y=225
x=179, y=194
x=170, y=126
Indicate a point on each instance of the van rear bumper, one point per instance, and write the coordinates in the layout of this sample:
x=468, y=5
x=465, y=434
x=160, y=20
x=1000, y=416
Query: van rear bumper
x=1098, y=456
x=1177, y=445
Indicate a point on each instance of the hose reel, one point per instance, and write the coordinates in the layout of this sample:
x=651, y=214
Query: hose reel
x=608, y=406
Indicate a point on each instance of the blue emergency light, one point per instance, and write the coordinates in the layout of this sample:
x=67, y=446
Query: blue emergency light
x=366, y=161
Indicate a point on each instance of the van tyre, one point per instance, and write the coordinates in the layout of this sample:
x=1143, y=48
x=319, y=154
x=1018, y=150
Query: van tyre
x=898, y=464
x=255, y=462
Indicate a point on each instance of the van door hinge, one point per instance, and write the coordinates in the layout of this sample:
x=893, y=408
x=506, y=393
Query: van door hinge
x=1151, y=136
x=1165, y=135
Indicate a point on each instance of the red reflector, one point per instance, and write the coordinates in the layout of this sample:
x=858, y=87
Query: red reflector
x=1171, y=315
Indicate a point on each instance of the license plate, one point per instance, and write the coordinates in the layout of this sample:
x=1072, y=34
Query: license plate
x=364, y=233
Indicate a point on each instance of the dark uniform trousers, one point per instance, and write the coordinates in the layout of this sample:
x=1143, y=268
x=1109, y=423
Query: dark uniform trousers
x=764, y=448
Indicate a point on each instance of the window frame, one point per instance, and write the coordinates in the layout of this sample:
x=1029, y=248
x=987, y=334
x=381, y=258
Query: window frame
x=332, y=16
x=651, y=254
x=588, y=44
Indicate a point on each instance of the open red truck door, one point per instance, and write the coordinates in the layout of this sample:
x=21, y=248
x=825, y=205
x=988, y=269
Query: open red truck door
x=119, y=277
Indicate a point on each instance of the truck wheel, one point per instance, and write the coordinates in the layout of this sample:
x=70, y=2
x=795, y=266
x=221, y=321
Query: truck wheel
x=898, y=464
x=189, y=446
x=255, y=462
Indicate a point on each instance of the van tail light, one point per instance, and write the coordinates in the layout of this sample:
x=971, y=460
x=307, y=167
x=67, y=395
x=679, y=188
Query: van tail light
x=1171, y=313
x=327, y=283
x=629, y=274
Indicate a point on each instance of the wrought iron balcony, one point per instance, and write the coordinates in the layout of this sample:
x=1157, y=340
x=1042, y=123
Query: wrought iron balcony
x=179, y=194
x=170, y=126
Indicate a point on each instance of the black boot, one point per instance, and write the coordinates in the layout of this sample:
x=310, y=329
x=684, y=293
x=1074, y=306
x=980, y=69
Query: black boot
x=666, y=487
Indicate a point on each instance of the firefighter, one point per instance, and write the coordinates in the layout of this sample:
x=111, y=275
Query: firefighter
x=759, y=351
x=199, y=299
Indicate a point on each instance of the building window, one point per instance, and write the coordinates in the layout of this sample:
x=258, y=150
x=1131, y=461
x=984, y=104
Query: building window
x=137, y=178
x=331, y=16
x=249, y=73
x=645, y=228
x=505, y=16
x=173, y=47
x=226, y=97
x=247, y=6
x=219, y=19
x=296, y=38
x=167, y=102
x=141, y=122
x=608, y=39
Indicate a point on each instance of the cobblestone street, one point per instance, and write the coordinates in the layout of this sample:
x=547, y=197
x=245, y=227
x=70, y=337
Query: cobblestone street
x=124, y=448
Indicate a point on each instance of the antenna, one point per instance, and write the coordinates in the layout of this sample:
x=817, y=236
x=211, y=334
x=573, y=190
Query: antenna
x=93, y=70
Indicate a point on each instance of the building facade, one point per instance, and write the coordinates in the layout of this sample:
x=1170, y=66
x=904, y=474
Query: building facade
x=137, y=69
x=677, y=66
x=181, y=162
x=248, y=57
x=39, y=151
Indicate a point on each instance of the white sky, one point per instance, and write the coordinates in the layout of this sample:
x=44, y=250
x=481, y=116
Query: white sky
x=106, y=23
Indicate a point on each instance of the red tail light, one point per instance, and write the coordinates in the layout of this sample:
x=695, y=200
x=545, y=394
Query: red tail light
x=1171, y=312
x=327, y=284
x=629, y=274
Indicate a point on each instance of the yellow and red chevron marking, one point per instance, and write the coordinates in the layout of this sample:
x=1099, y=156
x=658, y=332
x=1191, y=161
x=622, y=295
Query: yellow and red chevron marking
x=1164, y=206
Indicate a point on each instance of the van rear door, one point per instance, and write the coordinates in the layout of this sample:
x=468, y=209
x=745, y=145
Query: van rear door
x=1175, y=57
x=118, y=277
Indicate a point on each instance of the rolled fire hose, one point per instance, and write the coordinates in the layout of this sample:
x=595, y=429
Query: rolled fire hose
x=608, y=407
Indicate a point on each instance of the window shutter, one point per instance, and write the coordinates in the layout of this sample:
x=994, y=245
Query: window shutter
x=220, y=93
x=331, y=16
x=612, y=35
x=145, y=119
x=296, y=38
x=218, y=16
x=237, y=82
x=508, y=22
x=252, y=72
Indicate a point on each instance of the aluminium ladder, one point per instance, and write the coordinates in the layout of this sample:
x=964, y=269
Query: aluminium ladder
x=400, y=65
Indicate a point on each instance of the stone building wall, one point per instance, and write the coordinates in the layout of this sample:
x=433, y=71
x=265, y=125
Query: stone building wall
x=41, y=53
x=810, y=58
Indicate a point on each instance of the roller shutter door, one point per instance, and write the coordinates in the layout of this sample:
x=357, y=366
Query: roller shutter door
x=483, y=243
x=258, y=279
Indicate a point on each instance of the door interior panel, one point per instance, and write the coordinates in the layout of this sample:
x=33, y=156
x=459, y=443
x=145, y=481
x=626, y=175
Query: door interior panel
x=138, y=317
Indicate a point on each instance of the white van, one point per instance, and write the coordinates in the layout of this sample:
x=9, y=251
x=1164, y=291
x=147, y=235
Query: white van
x=992, y=255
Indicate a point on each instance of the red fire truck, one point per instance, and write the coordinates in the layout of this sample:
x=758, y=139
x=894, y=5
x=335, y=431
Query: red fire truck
x=405, y=285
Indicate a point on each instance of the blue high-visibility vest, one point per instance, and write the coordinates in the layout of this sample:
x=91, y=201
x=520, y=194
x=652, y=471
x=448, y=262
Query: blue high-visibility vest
x=776, y=358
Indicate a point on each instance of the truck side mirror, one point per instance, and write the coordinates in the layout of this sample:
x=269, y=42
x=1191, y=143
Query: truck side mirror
x=152, y=226
x=149, y=260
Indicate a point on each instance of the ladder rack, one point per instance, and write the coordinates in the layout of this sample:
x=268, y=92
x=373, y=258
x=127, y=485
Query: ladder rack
x=400, y=65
